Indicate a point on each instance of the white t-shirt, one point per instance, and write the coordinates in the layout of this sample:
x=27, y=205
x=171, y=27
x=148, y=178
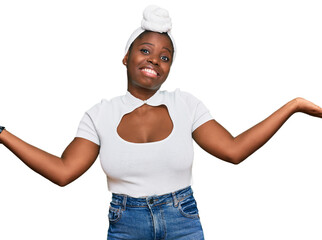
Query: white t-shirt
x=152, y=168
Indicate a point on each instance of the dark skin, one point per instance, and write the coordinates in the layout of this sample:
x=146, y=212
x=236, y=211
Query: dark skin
x=151, y=51
x=146, y=73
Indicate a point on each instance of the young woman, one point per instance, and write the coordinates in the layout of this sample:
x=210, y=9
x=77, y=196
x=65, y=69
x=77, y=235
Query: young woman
x=144, y=140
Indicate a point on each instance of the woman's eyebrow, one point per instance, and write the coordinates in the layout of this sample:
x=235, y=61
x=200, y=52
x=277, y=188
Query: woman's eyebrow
x=168, y=50
x=147, y=43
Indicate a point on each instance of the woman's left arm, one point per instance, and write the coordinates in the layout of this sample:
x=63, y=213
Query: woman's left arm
x=217, y=141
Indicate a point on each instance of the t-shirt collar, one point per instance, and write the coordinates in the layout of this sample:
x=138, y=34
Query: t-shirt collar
x=154, y=100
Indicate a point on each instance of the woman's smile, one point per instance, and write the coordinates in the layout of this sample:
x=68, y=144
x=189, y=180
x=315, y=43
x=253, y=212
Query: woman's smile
x=149, y=72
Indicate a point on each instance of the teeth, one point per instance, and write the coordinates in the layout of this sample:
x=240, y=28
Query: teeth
x=149, y=71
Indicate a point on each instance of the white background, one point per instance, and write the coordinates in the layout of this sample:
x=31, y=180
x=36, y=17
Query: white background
x=243, y=59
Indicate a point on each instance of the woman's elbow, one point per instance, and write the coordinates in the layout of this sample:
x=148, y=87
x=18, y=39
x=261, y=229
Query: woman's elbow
x=234, y=161
x=234, y=158
x=63, y=180
x=62, y=183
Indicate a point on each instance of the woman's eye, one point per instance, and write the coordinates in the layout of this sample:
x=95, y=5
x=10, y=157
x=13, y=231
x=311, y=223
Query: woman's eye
x=144, y=51
x=164, y=58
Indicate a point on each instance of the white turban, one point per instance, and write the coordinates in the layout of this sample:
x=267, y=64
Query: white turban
x=155, y=19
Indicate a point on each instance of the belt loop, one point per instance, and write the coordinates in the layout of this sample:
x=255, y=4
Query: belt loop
x=124, y=202
x=175, y=199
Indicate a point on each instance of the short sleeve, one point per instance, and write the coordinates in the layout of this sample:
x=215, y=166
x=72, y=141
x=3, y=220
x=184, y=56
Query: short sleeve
x=202, y=115
x=87, y=128
x=199, y=112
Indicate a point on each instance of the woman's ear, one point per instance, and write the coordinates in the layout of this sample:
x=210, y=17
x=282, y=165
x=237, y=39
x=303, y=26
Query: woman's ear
x=125, y=59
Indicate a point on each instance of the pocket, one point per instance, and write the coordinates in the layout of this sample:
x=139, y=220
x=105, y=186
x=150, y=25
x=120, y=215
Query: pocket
x=188, y=207
x=114, y=213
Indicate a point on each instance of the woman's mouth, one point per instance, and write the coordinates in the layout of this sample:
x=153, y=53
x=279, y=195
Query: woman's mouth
x=149, y=72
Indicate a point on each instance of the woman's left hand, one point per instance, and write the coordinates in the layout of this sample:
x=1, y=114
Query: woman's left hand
x=308, y=107
x=217, y=141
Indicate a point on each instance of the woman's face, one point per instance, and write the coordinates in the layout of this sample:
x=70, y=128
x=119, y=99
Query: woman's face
x=148, y=61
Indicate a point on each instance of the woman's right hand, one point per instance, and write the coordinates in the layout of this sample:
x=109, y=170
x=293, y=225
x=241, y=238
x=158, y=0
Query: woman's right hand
x=0, y=136
x=76, y=159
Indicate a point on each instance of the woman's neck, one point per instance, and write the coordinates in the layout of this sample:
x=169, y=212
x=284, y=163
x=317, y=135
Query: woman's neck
x=142, y=93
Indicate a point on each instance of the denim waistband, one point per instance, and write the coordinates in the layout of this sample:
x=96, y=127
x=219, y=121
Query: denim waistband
x=175, y=197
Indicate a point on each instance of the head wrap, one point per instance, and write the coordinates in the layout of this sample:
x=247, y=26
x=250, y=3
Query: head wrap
x=155, y=19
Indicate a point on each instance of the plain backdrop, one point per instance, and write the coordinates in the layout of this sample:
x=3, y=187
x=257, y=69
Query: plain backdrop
x=243, y=59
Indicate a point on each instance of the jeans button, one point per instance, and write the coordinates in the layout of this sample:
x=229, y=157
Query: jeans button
x=151, y=201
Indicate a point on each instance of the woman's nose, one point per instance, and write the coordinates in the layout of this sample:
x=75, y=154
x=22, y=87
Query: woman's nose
x=154, y=60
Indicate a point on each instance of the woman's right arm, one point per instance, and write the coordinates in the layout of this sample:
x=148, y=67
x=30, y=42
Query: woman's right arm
x=75, y=160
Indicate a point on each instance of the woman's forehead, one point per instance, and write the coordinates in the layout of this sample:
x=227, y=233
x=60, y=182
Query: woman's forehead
x=155, y=39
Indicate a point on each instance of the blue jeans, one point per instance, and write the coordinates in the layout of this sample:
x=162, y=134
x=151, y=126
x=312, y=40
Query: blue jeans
x=172, y=216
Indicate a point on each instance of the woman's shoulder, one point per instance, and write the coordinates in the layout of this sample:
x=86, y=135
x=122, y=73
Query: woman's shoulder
x=177, y=93
x=105, y=104
x=182, y=95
